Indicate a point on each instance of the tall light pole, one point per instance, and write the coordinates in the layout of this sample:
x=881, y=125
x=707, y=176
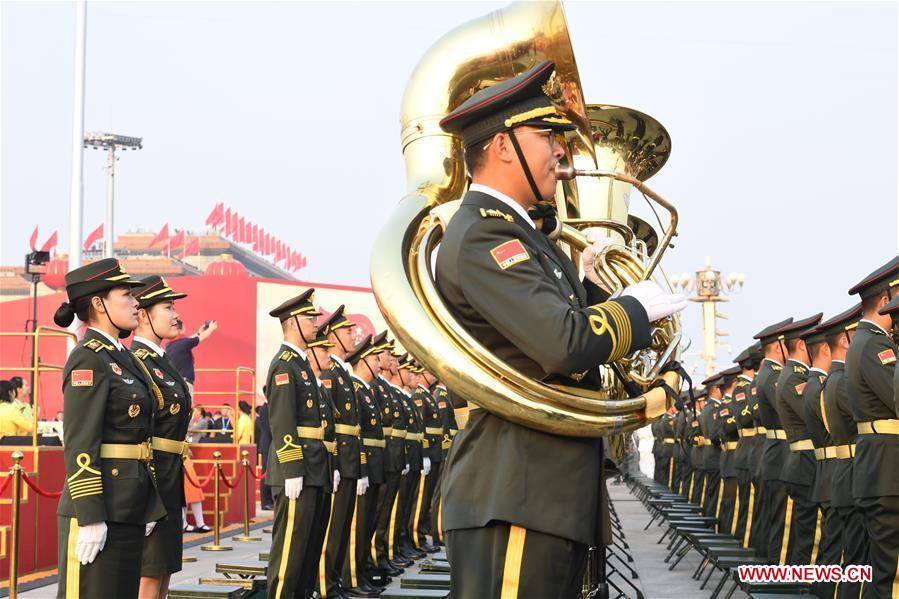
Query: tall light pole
x=710, y=288
x=76, y=186
x=110, y=142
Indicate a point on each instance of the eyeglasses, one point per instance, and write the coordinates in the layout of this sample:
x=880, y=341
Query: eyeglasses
x=550, y=135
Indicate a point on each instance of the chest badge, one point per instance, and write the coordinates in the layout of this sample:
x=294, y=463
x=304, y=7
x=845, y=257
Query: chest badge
x=133, y=410
x=158, y=373
x=373, y=422
x=309, y=403
x=305, y=375
x=174, y=408
x=128, y=381
x=558, y=273
x=348, y=406
x=116, y=368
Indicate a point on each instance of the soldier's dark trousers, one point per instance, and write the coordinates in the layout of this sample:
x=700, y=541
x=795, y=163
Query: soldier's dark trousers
x=337, y=541
x=508, y=561
x=881, y=515
x=421, y=519
x=854, y=545
x=758, y=531
x=114, y=573
x=312, y=569
x=778, y=504
x=711, y=484
x=743, y=490
x=291, y=535
x=803, y=525
x=265, y=491
x=387, y=508
x=436, y=506
x=406, y=498
x=830, y=547
x=362, y=529
x=727, y=502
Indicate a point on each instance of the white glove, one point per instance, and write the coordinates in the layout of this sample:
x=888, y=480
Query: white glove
x=362, y=485
x=91, y=540
x=336, y=480
x=293, y=487
x=405, y=470
x=598, y=243
x=149, y=528
x=426, y=466
x=657, y=303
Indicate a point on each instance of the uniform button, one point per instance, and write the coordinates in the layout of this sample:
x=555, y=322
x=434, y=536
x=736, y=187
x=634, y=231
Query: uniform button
x=176, y=395
x=134, y=396
x=305, y=445
x=114, y=472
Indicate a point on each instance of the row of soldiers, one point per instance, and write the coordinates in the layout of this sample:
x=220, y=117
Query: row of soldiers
x=359, y=432
x=794, y=448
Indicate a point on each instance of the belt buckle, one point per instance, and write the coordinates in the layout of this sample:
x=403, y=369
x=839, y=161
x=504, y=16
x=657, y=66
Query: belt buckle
x=146, y=452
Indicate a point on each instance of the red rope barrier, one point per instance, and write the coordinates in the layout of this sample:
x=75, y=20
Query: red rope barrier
x=253, y=474
x=237, y=478
x=205, y=482
x=6, y=483
x=37, y=490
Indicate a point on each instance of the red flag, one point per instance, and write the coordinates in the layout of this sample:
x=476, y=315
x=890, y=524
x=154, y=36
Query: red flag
x=228, y=222
x=256, y=234
x=50, y=243
x=235, y=224
x=241, y=231
x=94, y=236
x=193, y=247
x=249, y=232
x=215, y=217
x=161, y=236
x=33, y=241
x=177, y=240
x=277, y=252
x=305, y=262
x=267, y=245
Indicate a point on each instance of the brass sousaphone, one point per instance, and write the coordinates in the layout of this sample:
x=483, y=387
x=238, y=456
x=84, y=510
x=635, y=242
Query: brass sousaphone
x=606, y=156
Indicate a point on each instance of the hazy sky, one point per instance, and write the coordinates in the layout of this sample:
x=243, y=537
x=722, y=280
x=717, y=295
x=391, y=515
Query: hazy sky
x=782, y=116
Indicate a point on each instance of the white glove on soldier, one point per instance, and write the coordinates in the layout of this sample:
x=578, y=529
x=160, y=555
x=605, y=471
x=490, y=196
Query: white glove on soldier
x=598, y=243
x=149, y=528
x=405, y=471
x=657, y=303
x=336, y=480
x=426, y=466
x=91, y=540
x=293, y=487
x=362, y=485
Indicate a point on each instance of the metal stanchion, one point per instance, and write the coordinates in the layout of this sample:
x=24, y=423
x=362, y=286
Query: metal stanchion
x=217, y=522
x=245, y=537
x=16, y=501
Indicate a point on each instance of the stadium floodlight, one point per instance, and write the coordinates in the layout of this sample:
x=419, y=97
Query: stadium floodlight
x=111, y=142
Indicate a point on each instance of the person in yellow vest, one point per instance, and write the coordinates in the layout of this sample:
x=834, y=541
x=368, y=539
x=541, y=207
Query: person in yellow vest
x=12, y=420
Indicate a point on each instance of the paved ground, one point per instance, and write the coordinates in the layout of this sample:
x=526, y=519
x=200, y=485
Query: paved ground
x=655, y=580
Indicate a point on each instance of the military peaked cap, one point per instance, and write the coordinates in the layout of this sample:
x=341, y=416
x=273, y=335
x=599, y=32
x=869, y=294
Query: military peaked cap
x=885, y=277
x=155, y=290
x=521, y=100
x=300, y=305
x=795, y=329
x=98, y=276
x=769, y=334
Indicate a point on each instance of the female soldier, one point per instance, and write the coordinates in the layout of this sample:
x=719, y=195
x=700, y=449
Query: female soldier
x=109, y=500
x=157, y=320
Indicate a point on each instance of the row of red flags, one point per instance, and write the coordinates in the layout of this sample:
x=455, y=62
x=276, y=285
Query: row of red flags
x=238, y=229
x=228, y=222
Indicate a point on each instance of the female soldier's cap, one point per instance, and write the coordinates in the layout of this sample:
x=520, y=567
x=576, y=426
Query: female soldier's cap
x=300, y=305
x=97, y=276
x=885, y=277
x=155, y=290
x=844, y=321
x=365, y=348
x=521, y=100
x=891, y=308
x=796, y=329
x=336, y=320
x=769, y=334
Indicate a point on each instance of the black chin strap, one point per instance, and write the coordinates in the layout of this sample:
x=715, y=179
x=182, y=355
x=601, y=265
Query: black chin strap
x=342, y=346
x=524, y=165
x=783, y=353
x=150, y=320
x=300, y=329
x=123, y=333
x=373, y=375
x=317, y=363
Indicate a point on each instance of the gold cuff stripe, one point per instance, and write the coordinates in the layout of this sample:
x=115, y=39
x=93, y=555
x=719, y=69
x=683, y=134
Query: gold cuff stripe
x=512, y=566
x=291, y=455
x=599, y=323
x=84, y=484
x=623, y=325
x=84, y=462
